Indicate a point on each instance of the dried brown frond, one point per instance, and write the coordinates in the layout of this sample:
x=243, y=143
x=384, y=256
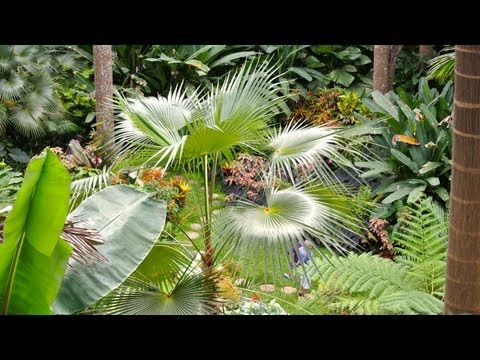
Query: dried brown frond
x=84, y=242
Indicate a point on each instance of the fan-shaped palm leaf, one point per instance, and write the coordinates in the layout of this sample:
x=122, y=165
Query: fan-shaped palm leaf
x=296, y=146
x=83, y=188
x=3, y=118
x=27, y=85
x=165, y=129
x=166, y=283
x=12, y=87
x=291, y=216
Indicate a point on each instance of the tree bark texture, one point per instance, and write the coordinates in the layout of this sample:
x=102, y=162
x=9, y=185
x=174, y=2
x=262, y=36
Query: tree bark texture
x=384, y=61
x=103, y=77
x=426, y=53
x=462, y=293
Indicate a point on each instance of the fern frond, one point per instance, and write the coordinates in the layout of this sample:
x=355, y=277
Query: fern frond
x=422, y=237
x=369, y=284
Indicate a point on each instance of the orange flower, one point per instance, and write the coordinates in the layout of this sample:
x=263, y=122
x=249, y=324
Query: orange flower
x=255, y=297
x=154, y=174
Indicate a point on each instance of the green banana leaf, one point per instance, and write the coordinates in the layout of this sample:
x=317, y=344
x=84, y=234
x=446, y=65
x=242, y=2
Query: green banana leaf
x=33, y=258
x=129, y=223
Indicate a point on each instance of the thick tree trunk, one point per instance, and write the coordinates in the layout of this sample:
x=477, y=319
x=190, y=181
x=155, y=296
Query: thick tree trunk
x=384, y=60
x=426, y=53
x=462, y=293
x=103, y=77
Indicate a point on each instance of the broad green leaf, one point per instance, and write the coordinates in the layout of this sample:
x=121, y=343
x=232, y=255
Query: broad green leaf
x=349, y=68
x=204, y=49
x=19, y=156
x=198, y=64
x=430, y=118
x=342, y=77
x=32, y=257
x=434, y=181
x=301, y=72
x=48, y=206
x=416, y=194
x=37, y=277
x=402, y=192
x=442, y=193
x=405, y=160
x=385, y=104
x=90, y=118
x=313, y=62
x=42, y=204
x=362, y=60
x=226, y=59
x=129, y=223
x=373, y=165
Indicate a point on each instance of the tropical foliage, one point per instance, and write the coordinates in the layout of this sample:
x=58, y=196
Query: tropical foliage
x=442, y=67
x=28, y=101
x=33, y=257
x=415, y=142
x=129, y=223
x=411, y=284
x=234, y=117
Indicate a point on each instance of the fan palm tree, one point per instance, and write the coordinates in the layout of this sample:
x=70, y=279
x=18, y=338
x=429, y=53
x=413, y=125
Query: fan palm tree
x=209, y=126
x=28, y=101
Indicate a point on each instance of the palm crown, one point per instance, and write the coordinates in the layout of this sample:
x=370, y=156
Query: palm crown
x=211, y=125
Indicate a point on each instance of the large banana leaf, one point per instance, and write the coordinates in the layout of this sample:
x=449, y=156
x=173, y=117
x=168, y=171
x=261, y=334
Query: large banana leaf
x=129, y=223
x=33, y=258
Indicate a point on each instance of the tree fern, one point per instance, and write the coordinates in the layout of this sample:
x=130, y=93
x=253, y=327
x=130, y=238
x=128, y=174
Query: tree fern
x=422, y=237
x=369, y=284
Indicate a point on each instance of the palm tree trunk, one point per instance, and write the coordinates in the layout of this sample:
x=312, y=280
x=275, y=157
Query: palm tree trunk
x=462, y=293
x=208, y=256
x=426, y=53
x=384, y=60
x=103, y=77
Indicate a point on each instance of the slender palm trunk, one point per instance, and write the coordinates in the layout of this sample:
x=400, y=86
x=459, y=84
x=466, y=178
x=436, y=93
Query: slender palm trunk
x=462, y=293
x=384, y=61
x=209, y=254
x=103, y=77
